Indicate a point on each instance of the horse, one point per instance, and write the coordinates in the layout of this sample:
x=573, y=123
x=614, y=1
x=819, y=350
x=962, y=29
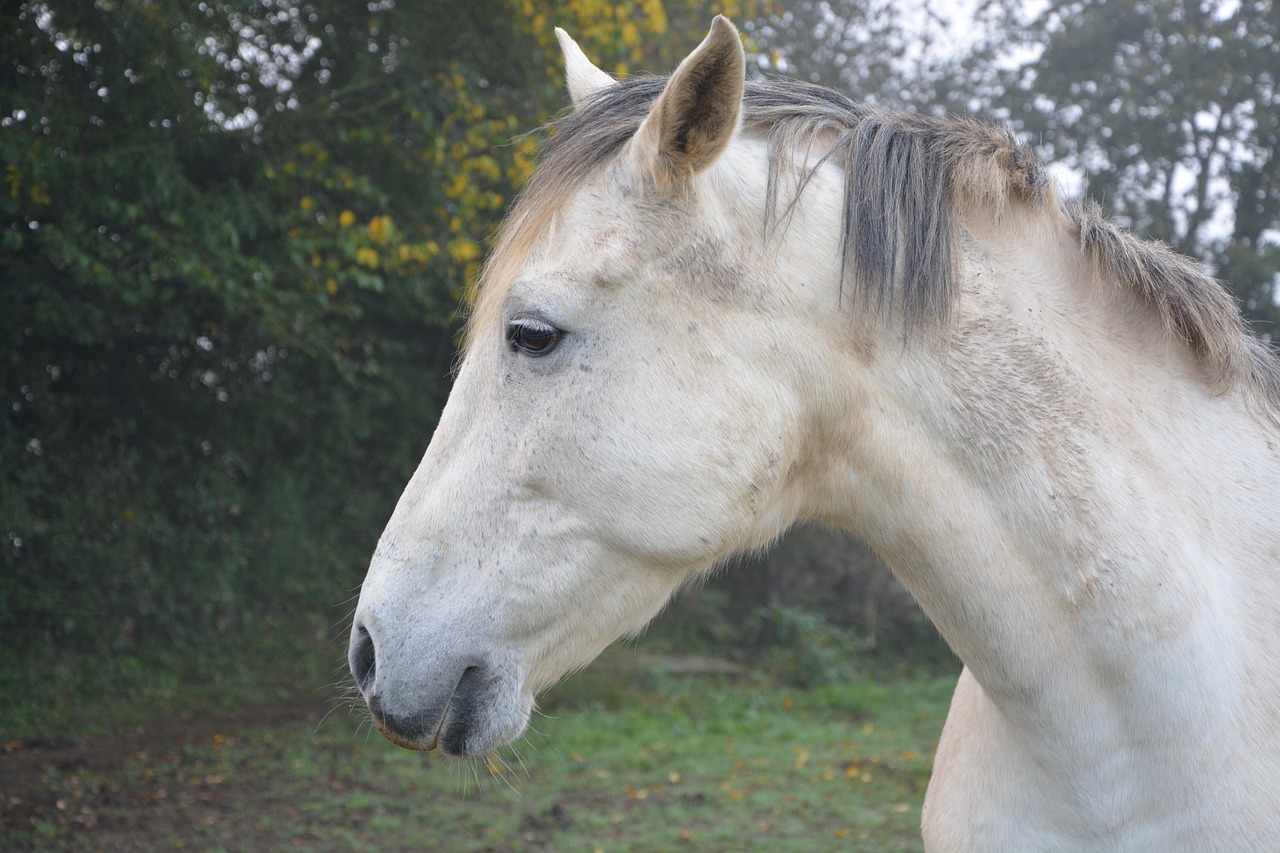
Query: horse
x=719, y=307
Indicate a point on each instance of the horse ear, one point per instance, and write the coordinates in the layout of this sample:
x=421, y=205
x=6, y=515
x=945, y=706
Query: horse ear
x=584, y=78
x=697, y=113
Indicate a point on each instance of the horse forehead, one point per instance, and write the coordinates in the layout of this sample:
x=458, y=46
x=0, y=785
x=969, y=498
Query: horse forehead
x=615, y=227
x=579, y=252
x=604, y=239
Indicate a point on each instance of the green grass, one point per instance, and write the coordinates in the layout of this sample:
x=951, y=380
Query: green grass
x=301, y=655
x=619, y=759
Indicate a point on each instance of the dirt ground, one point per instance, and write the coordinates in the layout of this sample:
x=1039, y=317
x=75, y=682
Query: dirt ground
x=137, y=789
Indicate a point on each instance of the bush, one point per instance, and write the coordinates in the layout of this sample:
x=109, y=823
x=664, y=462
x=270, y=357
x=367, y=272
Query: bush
x=801, y=648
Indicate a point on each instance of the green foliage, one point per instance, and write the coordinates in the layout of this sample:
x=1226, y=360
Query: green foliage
x=803, y=649
x=815, y=607
x=229, y=282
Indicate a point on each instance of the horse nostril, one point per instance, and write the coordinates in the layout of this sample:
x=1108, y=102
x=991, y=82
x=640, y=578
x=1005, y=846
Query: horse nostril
x=362, y=659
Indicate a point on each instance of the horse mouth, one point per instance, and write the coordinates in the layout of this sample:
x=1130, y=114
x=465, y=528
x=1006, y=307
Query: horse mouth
x=431, y=748
x=413, y=731
x=460, y=725
x=403, y=741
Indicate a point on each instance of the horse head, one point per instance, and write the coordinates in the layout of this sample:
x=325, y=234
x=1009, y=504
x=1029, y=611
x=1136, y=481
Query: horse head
x=626, y=415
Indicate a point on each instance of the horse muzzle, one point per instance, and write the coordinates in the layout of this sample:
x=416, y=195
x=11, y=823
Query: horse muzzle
x=459, y=703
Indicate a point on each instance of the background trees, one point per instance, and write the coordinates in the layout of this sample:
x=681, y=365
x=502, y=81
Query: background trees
x=1170, y=111
x=224, y=320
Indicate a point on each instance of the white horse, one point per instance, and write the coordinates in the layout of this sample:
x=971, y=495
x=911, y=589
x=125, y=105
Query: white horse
x=720, y=307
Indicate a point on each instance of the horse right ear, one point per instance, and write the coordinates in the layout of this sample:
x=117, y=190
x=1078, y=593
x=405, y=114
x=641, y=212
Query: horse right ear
x=698, y=112
x=584, y=78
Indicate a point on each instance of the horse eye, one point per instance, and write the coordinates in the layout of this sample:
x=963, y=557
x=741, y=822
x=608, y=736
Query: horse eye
x=532, y=337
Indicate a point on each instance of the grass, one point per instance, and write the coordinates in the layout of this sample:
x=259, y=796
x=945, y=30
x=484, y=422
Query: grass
x=622, y=758
x=81, y=694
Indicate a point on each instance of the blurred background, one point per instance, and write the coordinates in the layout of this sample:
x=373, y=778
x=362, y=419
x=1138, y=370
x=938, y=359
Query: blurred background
x=236, y=241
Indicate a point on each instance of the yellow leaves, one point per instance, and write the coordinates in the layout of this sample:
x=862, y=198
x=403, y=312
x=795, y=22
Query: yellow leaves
x=631, y=34
x=367, y=256
x=456, y=186
x=13, y=177
x=487, y=167
x=657, y=16
x=730, y=791
x=463, y=250
x=379, y=229
x=526, y=150
x=314, y=151
x=306, y=204
x=346, y=219
x=625, y=34
x=40, y=195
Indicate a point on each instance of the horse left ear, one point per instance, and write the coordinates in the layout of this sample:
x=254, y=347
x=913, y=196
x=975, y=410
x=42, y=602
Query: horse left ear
x=697, y=113
x=583, y=77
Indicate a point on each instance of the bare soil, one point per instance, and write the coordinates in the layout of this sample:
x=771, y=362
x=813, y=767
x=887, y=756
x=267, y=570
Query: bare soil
x=137, y=789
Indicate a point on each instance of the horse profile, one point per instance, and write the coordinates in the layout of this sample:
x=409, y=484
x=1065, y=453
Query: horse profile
x=720, y=307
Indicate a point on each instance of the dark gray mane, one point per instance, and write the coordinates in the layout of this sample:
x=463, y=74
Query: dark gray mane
x=904, y=175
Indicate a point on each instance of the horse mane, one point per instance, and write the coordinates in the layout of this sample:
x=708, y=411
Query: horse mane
x=904, y=175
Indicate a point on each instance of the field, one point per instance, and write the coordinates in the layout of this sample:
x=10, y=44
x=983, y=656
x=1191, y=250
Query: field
x=626, y=756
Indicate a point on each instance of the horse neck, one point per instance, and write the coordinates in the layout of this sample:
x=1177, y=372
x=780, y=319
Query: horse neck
x=1060, y=489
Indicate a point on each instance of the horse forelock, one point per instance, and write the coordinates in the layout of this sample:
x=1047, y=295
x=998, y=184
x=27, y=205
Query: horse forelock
x=576, y=145
x=905, y=175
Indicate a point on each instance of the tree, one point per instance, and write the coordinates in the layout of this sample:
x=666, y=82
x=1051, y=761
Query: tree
x=213, y=298
x=1170, y=110
x=864, y=49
